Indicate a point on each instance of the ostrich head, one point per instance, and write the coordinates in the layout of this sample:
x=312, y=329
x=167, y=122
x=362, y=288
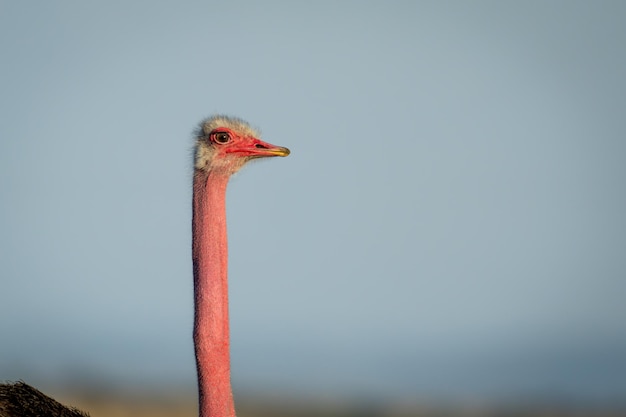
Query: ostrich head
x=224, y=144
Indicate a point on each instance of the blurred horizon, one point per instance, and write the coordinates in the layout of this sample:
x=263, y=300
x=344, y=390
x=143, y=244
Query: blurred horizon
x=561, y=377
x=448, y=227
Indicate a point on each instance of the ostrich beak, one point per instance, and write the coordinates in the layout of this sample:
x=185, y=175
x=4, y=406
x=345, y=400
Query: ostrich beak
x=262, y=149
x=278, y=151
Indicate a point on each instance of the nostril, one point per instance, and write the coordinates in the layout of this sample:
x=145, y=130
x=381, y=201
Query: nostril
x=259, y=146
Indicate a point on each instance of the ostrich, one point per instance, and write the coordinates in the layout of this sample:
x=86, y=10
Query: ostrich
x=223, y=145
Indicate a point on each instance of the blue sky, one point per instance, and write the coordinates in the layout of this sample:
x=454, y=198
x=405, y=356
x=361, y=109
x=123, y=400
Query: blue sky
x=450, y=221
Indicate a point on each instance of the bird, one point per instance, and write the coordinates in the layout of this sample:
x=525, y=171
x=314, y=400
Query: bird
x=223, y=145
x=20, y=399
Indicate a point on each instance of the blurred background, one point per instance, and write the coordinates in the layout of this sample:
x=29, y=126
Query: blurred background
x=448, y=232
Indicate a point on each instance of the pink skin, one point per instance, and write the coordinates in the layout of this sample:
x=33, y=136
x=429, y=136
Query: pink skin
x=246, y=145
x=210, y=268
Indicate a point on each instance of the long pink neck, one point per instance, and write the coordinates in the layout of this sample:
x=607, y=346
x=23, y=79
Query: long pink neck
x=210, y=272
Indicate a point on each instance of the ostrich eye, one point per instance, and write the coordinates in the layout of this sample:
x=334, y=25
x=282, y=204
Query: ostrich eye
x=221, y=137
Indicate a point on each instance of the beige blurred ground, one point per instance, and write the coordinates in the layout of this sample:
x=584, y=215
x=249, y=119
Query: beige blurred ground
x=180, y=406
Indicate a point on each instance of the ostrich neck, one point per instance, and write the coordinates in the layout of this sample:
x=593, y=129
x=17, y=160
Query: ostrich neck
x=210, y=270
